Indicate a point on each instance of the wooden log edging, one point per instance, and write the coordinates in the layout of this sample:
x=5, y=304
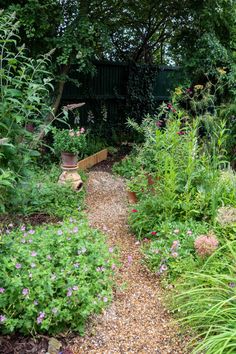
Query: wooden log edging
x=92, y=160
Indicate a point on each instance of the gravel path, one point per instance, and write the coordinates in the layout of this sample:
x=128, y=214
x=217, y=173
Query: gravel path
x=136, y=321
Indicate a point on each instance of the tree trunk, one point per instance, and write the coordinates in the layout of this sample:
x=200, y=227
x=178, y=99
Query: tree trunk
x=57, y=99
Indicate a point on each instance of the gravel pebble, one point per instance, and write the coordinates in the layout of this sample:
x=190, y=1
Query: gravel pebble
x=136, y=321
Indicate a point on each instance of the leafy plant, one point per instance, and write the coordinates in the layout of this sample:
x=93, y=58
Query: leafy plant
x=24, y=97
x=206, y=302
x=53, y=277
x=73, y=141
x=42, y=193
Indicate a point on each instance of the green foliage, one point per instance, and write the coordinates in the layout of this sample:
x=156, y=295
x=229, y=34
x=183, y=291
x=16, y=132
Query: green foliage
x=94, y=144
x=127, y=167
x=7, y=182
x=41, y=192
x=73, y=141
x=206, y=302
x=25, y=85
x=193, y=194
x=53, y=277
x=171, y=252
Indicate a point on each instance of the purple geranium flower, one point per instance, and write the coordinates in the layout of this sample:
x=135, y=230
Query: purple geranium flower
x=18, y=265
x=25, y=291
x=75, y=229
x=22, y=228
x=33, y=254
x=2, y=318
x=232, y=285
x=111, y=249
x=40, y=317
x=2, y=290
x=75, y=288
x=69, y=292
x=59, y=232
x=105, y=299
x=31, y=232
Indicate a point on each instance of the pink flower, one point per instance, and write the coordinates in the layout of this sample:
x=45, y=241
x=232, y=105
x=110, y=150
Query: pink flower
x=174, y=254
x=71, y=133
x=2, y=290
x=134, y=210
x=169, y=105
x=33, y=254
x=113, y=266
x=174, y=246
x=153, y=233
x=159, y=123
x=189, y=232
x=206, y=244
x=18, y=265
x=111, y=249
x=176, y=231
x=82, y=130
x=163, y=268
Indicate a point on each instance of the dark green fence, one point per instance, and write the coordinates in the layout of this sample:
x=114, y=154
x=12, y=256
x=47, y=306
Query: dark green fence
x=114, y=88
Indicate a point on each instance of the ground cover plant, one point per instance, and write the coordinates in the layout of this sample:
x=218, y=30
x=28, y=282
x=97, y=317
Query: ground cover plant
x=41, y=192
x=53, y=277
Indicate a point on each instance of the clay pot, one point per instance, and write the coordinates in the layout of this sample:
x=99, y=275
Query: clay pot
x=69, y=159
x=132, y=197
x=71, y=175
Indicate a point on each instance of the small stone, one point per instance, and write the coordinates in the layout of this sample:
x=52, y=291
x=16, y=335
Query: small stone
x=53, y=346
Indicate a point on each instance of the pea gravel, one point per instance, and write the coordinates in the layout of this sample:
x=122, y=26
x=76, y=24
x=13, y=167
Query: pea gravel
x=136, y=321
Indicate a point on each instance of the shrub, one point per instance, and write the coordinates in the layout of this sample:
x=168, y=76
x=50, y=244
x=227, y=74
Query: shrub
x=24, y=101
x=53, y=277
